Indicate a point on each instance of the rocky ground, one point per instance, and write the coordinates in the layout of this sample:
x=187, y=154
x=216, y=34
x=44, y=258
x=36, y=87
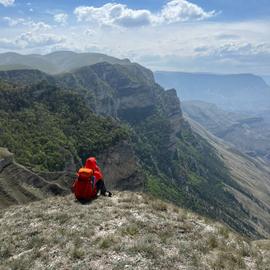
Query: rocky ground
x=127, y=231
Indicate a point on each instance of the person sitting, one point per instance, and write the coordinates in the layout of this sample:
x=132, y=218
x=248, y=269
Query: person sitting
x=91, y=163
x=89, y=183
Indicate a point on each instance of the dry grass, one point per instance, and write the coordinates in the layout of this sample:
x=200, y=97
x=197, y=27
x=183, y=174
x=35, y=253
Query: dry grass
x=127, y=231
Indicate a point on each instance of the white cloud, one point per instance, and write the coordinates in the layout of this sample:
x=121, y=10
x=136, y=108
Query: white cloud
x=236, y=49
x=7, y=44
x=36, y=26
x=120, y=14
x=130, y=18
x=114, y=14
x=33, y=39
x=14, y=22
x=61, y=18
x=7, y=3
x=89, y=32
x=182, y=10
x=29, y=34
x=39, y=26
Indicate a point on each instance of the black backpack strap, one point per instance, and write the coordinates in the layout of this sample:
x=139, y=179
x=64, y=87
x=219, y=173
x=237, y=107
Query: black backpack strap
x=92, y=180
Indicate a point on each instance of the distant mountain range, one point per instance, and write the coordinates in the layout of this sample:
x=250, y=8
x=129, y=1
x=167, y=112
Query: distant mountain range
x=238, y=92
x=248, y=132
x=210, y=116
x=56, y=62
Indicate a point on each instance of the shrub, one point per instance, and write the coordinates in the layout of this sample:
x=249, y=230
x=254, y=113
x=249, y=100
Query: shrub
x=159, y=206
x=212, y=241
x=107, y=242
x=131, y=230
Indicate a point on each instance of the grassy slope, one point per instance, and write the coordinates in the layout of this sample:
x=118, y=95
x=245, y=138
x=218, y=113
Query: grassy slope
x=252, y=176
x=127, y=231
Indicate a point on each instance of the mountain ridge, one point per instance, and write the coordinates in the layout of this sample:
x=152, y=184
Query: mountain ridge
x=235, y=92
x=56, y=62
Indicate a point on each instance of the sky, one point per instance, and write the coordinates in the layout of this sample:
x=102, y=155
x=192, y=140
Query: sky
x=220, y=36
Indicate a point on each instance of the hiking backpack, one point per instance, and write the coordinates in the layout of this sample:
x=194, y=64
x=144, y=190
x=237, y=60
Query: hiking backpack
x=84, y=187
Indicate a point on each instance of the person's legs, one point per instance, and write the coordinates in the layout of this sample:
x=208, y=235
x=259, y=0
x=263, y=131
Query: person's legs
x=102, y=188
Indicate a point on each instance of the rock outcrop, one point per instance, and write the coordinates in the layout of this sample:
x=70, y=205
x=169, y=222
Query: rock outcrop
x=173, y=109
x=121, y=169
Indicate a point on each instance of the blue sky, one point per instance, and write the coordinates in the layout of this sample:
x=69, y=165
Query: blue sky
x=231, y=9
x=224, y=36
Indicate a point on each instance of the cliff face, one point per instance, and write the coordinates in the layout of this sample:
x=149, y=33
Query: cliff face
x=120, y=168
x=173, y=110
x=128, y=93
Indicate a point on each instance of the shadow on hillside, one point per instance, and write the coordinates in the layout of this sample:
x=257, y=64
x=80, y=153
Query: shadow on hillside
x=85, y=202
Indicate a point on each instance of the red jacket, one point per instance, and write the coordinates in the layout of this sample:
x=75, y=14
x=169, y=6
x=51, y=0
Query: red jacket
x=91, y=163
